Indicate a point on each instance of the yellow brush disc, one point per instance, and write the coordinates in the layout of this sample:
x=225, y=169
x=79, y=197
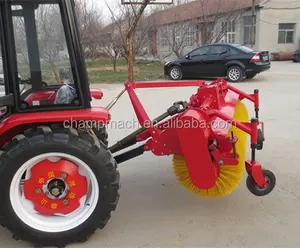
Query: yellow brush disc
x=230, y=176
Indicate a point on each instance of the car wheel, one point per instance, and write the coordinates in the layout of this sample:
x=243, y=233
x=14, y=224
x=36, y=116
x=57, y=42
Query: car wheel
x=235, y=74
x=175, y=73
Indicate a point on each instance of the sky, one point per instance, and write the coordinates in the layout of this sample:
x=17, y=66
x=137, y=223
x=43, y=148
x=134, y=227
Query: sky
x=103, y=7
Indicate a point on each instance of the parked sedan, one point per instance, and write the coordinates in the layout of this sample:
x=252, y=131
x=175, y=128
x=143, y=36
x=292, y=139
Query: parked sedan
x=233, y=61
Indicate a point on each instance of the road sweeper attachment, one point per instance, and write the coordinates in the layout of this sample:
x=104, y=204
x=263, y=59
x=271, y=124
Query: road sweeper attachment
x=207, y=137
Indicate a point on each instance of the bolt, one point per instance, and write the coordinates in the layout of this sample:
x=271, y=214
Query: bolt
x=153, y=132
x=55, y=192
x=165, y=145
x=146, y=147
x=155, y=141
x=221, y=162
x=38, y=191
x=47, y=193
x=65, y=202
x=162, y=153
x=63, y=175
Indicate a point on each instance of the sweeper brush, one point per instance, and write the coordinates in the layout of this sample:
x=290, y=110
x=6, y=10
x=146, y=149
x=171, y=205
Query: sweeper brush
x=230, y=176
x=207, y=137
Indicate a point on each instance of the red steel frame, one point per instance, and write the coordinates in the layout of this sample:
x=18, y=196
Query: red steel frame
x=251, y=128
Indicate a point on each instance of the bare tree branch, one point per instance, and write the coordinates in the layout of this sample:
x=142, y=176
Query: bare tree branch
x=90, y=23
x=126, y=20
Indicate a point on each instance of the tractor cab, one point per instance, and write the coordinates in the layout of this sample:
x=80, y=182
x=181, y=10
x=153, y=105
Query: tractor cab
x=42, y=67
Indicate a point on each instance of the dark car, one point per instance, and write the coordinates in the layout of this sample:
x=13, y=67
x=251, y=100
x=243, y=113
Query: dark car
x=233, y=61
x=296, y=56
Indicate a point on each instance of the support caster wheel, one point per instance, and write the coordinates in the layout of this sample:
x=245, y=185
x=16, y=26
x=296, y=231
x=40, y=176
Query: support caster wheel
x=257, y=190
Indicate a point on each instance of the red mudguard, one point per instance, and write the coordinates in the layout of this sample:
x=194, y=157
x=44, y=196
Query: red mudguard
x=18, y=123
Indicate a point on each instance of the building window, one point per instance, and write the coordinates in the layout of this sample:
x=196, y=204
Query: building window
x=228, y=29
x=164, y=41
x=286, y=33
x=177, y=35
x=189, y=35
x=248, y=30
x=164, y=34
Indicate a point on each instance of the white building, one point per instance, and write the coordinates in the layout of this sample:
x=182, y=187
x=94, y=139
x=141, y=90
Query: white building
x=177, y=30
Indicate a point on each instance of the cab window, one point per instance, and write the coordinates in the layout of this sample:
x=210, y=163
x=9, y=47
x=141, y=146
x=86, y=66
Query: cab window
x=44, y=68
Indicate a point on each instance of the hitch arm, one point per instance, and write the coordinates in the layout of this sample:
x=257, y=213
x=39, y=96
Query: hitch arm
x=131, y=140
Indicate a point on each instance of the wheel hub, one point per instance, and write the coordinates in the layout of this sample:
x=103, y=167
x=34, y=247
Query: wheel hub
x=234, y=74
x=175, y=73
x=55, y=187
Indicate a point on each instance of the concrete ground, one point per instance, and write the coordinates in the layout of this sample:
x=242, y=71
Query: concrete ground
x=154, y=211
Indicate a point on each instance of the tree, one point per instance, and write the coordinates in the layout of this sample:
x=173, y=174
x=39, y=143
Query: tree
x=51, y=35
x=20, y=39
x=90, y=22
x=126, y=22
x=111, y=46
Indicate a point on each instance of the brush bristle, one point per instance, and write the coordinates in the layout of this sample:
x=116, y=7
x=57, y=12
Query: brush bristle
x=230, y=176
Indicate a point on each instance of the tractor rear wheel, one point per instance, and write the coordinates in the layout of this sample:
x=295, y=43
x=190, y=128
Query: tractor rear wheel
x=58, y=186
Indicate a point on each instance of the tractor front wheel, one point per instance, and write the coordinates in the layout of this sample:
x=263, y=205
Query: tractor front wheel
x=57, y=186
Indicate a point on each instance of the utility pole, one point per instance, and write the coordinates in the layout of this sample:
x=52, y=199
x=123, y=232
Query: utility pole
x=253, y=24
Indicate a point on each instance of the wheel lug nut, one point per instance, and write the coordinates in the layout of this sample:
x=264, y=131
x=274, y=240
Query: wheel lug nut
x=38, y=191
x=65, y=202
x=63, y=175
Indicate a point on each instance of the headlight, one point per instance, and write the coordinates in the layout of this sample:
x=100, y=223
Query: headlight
x=167, y=63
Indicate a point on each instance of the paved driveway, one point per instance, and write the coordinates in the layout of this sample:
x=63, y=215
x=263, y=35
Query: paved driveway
x=154, y=211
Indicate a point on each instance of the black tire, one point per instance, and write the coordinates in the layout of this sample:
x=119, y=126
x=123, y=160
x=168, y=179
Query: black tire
x=82, y=145
x=251, y=76
x=99, y=131
x=101, y=134
x=256, y=190
x=235, y=74
x=175, y=73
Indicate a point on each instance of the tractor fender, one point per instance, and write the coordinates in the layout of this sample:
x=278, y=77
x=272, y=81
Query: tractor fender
x=18, y=123
x=235, y=63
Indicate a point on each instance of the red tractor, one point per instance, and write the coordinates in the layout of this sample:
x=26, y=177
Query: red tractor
x=59, y=183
